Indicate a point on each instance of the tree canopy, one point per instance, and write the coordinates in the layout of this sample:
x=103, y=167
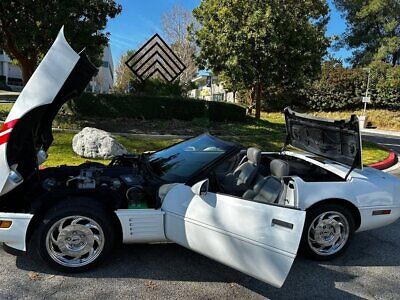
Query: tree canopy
x=373, y=30
x=29, y=27
x=258, y=44
x=175, y=23
x=124, y=78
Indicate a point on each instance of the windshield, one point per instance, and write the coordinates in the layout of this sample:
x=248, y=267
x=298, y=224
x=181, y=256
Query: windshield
x=179, y=162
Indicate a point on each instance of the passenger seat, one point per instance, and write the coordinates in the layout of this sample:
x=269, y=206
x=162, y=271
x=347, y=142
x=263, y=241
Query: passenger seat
x=271, y=188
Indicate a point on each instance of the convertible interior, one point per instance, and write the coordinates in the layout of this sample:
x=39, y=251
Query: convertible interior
x=266, y=177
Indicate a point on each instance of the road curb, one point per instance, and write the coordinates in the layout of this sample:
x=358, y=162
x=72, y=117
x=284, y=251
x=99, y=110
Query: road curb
x=390, y=161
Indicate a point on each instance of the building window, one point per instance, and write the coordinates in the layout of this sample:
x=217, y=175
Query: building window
x=1, y=51
x=15, y=81
x=218, y=97
x=105, y=64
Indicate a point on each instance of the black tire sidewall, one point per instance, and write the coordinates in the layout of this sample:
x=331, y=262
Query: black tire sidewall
x=96, y=213
x=311, y=215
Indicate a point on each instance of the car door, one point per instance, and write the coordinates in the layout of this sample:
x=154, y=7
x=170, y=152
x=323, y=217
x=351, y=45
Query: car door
x=258, y=239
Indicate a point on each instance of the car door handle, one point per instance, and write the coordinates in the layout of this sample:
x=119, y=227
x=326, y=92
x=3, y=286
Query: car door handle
x=282, y=223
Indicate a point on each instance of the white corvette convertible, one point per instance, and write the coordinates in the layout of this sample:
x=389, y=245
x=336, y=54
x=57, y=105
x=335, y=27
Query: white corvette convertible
x=245, y=208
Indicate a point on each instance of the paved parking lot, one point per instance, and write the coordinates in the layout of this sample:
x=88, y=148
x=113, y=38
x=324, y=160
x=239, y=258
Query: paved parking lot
x=370, y=269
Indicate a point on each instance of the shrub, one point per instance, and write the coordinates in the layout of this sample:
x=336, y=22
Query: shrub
x=340, y=88
x=222, y=111
x=146, y=107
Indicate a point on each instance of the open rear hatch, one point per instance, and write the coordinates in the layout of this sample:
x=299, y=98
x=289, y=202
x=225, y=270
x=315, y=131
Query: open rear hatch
x=337, y=140
x=27, y=132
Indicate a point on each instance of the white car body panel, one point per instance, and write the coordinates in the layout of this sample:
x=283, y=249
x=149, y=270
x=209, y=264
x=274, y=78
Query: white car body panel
x=15, y=235
x=368, y=190
x=141, y=225
x=41, y=89
x=238, y=233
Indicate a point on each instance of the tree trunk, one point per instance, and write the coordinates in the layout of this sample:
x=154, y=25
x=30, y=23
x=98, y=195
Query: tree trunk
x=395, y=58
x=27, y=68
x=258, y=101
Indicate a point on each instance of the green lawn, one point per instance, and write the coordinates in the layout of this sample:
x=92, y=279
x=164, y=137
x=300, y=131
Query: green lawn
x=60, y=153
x=267, y=134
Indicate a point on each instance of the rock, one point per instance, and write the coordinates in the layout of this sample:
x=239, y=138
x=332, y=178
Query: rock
x=96, y=143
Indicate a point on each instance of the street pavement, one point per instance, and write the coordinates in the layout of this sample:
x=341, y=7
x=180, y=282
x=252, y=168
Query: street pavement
x=388, y=141
x=369, y=269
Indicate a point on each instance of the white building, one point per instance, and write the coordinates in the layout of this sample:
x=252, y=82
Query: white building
x=101, y=83
x=104, y=80
x=10, y=74
x=209, y=88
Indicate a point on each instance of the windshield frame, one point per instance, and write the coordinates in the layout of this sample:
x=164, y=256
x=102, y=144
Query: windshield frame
x=233, y=149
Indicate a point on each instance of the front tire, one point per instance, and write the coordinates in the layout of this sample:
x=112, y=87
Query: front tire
x=327, y=232
x=75, y=237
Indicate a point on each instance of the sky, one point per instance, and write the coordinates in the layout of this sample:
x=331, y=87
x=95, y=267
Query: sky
x=140, y=20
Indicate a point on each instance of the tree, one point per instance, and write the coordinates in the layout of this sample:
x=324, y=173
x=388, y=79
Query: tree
x=124, y=77
x=175, y=25
x=373, y=30
x=28, y=27
x=259, y=44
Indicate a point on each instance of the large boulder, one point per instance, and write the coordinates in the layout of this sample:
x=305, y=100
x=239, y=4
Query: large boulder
x=96, y=143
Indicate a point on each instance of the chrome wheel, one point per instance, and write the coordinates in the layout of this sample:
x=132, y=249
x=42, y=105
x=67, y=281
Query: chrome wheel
x=328, y=233
x=75, y=241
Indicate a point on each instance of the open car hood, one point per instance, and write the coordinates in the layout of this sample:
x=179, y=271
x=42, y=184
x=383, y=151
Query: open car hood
x=337, y=140
x=26, y=134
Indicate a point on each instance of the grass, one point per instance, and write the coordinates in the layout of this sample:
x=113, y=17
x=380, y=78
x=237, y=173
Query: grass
x=61, y=153
x=4, y=109
x=379, y=118
x=267, y=134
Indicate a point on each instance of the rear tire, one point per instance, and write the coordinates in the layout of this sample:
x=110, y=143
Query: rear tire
x=75, y=237
x=327, y=232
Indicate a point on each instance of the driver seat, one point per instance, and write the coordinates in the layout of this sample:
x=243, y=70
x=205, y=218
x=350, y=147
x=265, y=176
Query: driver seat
x=272, y=188
x=244, y=175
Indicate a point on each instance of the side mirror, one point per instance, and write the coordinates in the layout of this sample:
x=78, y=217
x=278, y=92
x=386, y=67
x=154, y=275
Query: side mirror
x=201, y=188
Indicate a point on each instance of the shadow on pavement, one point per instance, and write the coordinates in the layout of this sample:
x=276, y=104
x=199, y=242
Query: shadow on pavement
x=171, y=262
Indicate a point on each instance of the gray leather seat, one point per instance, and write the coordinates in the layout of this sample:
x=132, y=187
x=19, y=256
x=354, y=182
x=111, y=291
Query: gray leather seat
x=271, y=188
x=245, y=174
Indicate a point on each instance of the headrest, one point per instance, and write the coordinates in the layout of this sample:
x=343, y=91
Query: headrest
x=254, y=155
x=279, y=168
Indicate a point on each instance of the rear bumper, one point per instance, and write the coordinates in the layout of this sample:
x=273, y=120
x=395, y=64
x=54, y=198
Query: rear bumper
x=15, y=236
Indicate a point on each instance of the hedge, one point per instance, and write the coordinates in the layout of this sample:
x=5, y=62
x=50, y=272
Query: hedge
x=340, y=88
x=146, y=107
x=222, y=111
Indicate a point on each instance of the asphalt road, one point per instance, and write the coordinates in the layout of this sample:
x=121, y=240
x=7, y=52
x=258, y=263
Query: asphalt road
x=390, y=142
x=369, y=269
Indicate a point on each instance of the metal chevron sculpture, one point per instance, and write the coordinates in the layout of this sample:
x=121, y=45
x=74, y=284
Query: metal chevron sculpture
x=154, y=58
